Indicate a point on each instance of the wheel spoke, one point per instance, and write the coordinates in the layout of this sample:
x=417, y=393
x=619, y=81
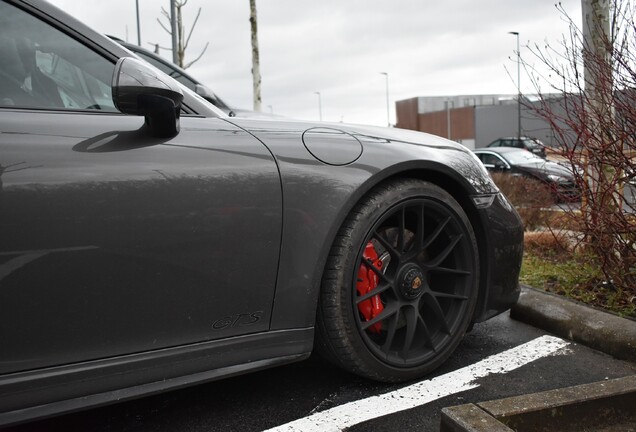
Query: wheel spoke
x=416, y=245
x=390, y=333
x=429, y=241
x=411, y=326
x=387, y=245
x=450, y=271
x=387, y=312
x=377, y=271
x=374, y=292
x=438, y=313
x=444, y=254
x=427, y=333
x=401, y=228
x=448, y=296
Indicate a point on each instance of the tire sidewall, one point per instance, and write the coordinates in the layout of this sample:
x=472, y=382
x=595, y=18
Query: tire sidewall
x=369, y=212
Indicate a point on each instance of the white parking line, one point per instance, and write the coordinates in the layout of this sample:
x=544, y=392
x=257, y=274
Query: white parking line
x=338, y=418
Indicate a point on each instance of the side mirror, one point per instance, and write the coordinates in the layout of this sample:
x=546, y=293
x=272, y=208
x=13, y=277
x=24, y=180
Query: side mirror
x=500, y=165
x=141, y=90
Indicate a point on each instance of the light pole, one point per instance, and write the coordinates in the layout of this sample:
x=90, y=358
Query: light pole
x=138, y=26
x=173, y=30
x=319, y=105
x=518, y=85
x=388, y=118
x=448, y=104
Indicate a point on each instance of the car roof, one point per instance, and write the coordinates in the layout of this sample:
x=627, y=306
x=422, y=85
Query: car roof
x=500, y=150
x=515, y=138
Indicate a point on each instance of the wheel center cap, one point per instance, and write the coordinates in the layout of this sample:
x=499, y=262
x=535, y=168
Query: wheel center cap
x=411, y=281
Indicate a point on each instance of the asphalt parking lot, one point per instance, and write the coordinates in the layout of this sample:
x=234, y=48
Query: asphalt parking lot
x=500, y=358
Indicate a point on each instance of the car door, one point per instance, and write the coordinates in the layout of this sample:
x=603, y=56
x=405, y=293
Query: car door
x=113, y=242
x=492, y=162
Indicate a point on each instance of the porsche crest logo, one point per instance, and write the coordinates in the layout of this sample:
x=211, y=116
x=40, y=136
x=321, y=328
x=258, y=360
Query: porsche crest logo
x=417, y=282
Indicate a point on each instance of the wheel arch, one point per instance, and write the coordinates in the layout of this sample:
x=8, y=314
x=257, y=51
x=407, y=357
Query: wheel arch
x=304, y=302
x=440, y=175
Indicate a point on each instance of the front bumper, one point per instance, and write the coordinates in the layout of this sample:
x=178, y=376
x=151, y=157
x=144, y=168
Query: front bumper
x=501, y=254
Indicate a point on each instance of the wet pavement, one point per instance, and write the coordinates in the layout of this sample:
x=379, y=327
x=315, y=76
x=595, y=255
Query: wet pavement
x=276, y=397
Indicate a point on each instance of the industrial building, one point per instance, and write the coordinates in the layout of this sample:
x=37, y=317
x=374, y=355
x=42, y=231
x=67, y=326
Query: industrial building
x=472, y=120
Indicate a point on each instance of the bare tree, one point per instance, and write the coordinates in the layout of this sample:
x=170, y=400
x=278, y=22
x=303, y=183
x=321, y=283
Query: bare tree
x=256, y=68
x=182, y=41
x=594, y=123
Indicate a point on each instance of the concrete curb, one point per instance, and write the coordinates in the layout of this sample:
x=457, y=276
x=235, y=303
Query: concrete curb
x=603, y=404
x=606, y=405
x=568, y=319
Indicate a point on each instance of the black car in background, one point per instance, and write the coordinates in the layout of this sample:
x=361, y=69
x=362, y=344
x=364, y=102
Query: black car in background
x=189, y=81
x=531, y=144
x=515, y=161
x=150, y=242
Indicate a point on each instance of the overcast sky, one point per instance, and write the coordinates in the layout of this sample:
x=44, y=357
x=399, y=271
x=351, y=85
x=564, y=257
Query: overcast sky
x=339, y=48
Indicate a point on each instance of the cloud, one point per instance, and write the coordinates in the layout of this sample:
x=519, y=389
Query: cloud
x=340, y=47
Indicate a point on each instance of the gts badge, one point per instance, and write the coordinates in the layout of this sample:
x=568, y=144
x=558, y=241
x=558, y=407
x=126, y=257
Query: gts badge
x=238, y=320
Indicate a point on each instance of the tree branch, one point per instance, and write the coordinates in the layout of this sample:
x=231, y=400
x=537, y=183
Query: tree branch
x=200, y=55
x=192, y=29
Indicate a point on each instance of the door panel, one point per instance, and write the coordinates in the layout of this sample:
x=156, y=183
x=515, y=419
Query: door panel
x=112, y=242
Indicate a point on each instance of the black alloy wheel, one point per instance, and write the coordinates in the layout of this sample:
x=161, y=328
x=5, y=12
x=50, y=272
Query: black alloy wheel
x=400, y=285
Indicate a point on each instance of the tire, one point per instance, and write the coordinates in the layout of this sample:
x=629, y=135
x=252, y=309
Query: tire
x=400, y=284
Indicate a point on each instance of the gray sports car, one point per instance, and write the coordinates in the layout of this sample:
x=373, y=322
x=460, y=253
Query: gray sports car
x=149, y=242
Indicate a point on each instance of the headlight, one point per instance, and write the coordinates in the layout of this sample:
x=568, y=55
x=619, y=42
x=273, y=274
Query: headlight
x=483, y=201
x=557, y=178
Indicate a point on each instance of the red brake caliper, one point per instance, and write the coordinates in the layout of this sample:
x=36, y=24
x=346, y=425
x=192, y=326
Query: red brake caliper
x=367, y=281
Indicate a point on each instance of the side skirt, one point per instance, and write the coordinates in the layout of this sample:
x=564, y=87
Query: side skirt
x=43, y=393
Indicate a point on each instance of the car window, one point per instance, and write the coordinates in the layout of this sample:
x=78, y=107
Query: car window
x=530, y=144
x=489, y=159
x=42, y=67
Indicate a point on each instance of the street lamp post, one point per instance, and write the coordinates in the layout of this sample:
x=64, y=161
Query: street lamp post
x=173, y=30
x=518, y=85
x=319, y=105
x=448, y=104
x=388, y=118
x=138, y=26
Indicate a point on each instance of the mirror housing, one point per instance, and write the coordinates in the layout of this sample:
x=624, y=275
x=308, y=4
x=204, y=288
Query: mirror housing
x=138, y=89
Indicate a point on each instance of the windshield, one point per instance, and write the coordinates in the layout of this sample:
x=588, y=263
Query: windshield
x=522, y=157
x=533, y=143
